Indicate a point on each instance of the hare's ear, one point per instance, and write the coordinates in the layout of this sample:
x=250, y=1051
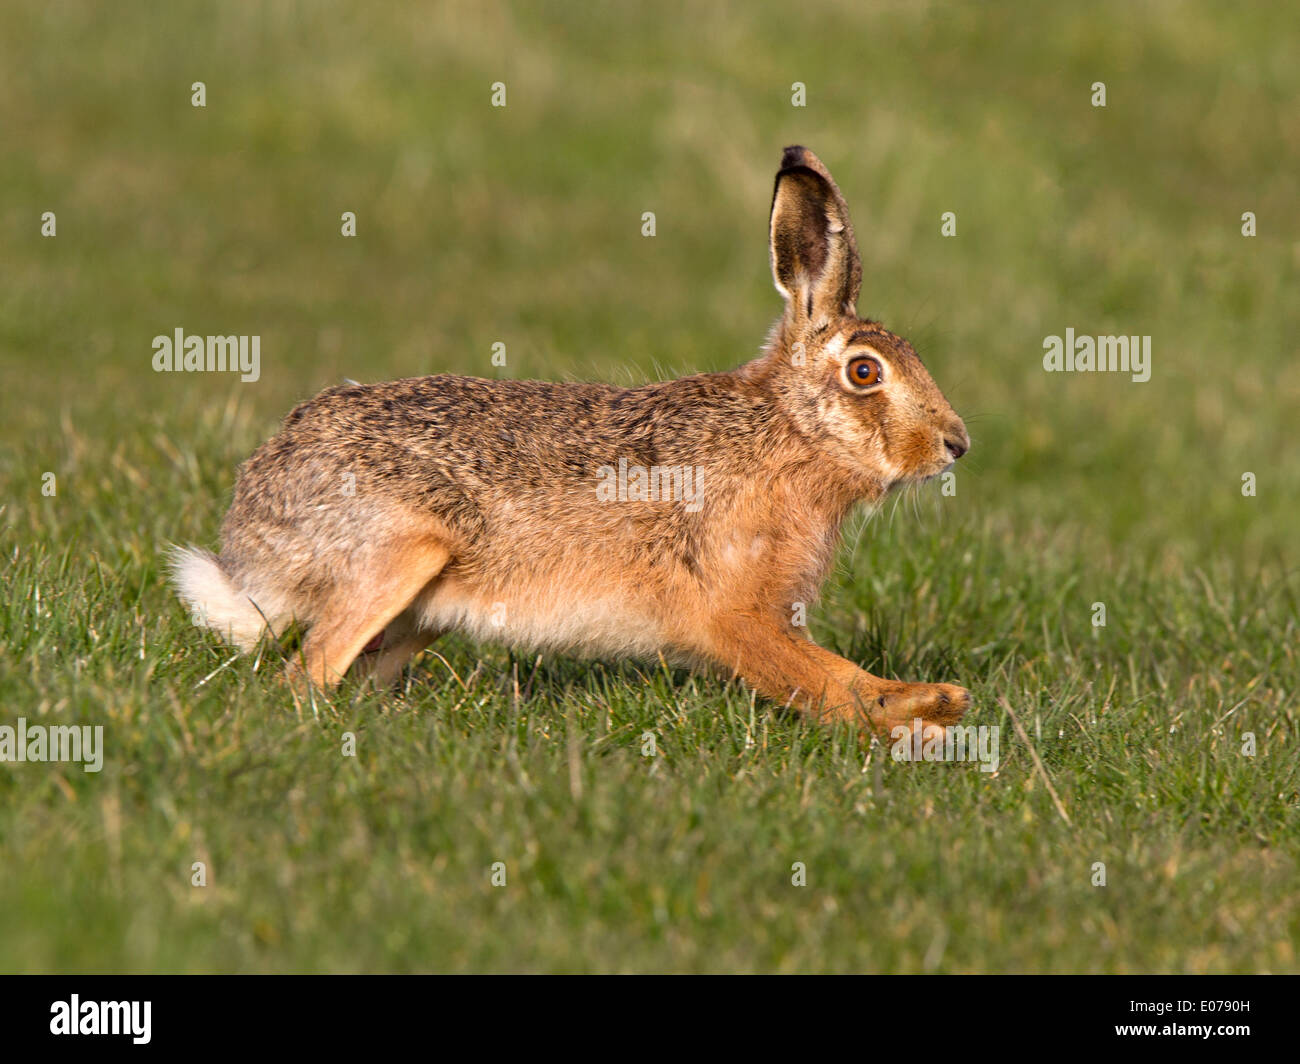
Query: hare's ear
x=815, y=260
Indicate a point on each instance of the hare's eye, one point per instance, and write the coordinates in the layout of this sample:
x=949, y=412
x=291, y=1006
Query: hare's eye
x=864, y=372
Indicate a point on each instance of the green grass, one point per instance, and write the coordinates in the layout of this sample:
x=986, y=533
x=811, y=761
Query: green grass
x=522, y=225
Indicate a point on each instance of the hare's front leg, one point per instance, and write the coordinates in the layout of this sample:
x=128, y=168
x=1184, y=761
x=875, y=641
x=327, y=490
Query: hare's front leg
x=793, y=670
x=889, y=704
x=399, y=642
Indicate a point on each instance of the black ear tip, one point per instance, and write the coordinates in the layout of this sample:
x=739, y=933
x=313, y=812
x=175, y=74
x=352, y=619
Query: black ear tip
x=794, y=155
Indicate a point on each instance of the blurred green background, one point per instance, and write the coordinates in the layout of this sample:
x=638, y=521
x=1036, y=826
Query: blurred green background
x=522, y=225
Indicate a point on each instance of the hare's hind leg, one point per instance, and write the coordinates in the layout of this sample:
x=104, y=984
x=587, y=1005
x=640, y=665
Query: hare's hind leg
x=363, y=604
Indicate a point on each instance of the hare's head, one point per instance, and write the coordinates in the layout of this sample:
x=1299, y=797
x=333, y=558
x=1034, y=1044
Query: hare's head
x=850, y=384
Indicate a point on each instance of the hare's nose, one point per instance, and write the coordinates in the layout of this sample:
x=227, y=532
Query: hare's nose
x=957, y=447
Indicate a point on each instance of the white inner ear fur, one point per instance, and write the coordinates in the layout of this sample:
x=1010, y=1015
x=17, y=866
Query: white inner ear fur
x=773, y=225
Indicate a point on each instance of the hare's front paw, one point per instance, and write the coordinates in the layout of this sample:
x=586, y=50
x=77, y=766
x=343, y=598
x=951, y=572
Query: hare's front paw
x=896, y=705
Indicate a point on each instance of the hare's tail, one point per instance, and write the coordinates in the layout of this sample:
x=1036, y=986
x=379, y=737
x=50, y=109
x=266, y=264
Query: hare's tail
x=215, y=601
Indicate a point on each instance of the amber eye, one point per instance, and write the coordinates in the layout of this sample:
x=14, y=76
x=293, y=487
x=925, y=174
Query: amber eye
x=864, y=372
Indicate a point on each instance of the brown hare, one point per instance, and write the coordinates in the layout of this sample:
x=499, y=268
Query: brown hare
x=686, y=518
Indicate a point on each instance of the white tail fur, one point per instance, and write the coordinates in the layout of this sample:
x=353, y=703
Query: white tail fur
x=216, y=602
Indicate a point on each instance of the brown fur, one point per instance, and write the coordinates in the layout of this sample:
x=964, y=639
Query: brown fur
x=416, y=506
